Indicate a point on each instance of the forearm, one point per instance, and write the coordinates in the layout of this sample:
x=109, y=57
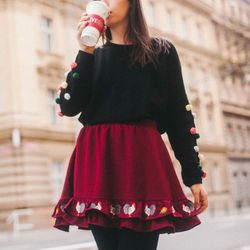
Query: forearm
x=76, y=90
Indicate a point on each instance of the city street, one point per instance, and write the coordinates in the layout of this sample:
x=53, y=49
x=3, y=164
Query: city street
x=220, y=233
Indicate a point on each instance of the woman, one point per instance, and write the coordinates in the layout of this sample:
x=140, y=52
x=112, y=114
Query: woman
x=120, y=182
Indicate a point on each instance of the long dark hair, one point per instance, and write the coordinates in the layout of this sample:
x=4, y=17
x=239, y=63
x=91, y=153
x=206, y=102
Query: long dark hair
x=146, y=48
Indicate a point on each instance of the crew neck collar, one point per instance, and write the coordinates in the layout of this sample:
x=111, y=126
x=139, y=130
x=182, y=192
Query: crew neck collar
x=111, y=44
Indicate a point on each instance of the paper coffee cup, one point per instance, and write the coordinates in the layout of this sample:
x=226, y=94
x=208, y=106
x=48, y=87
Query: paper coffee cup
x=98, y=11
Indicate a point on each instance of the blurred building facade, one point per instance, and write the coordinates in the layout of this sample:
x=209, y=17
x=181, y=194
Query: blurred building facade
x=212, y=38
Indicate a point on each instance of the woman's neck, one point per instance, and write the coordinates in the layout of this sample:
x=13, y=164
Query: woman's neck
x=118, y=34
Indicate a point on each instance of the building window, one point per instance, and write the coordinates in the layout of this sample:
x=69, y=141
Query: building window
x=52, y=106
x=218, y=40
x=237, y=190
x=216, y=179
x=243, y=14
x=229, y=137
x=233, y=6
x=184, y=29
x=204, y=80
x=232, y=10
x=57, y=178
x=233, y=90
x=190, y=76
x=211, y=127
x=151, y=14
x=248, y=139
x=223, y=88
x=239, y=137
x=169, y=24
x=47, y=33
x=223, y=6
x=199, y=34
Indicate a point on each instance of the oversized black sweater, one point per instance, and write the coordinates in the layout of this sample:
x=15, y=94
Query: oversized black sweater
x=105, y=89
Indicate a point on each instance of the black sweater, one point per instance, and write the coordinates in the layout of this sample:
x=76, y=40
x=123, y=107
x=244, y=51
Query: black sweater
x=105, y=89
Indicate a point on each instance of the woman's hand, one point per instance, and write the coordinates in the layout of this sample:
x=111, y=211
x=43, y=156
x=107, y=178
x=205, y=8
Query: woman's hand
x=200, y=197
x=83, y=22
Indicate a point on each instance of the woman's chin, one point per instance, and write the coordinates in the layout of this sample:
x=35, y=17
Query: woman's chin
x=110, y=25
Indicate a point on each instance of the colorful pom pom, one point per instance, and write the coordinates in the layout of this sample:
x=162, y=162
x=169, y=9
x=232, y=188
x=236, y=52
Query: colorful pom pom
x=196, y=148
x=193, y=130
x=57, y=100
x=73, y=65
x=194, y=115
x=197, y=135
x=64, y=85
x=204, y=174
x=199, y=166
x=60, y=113
x=67, y=96
x=188, y=107
x=59, y=87
x=75, y=75
x=201, y=156
x=59, y=92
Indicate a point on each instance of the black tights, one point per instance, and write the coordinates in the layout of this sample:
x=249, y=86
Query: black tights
x=123, y=239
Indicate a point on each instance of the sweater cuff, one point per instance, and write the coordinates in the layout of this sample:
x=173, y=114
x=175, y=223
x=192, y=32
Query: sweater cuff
x=192, y=182
x=192, y=175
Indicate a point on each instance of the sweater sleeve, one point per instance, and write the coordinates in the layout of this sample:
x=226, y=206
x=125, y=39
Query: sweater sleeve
x=180, y=125
x=74, y=93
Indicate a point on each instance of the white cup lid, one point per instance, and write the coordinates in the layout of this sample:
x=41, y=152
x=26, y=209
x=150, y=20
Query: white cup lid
x=99, y=8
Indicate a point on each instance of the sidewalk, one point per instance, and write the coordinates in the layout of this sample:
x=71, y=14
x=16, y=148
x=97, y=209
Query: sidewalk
x=48, y=239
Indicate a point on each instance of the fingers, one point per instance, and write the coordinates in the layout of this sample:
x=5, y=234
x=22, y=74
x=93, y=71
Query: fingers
x=197, y=199
x=84, y=14
x=202, y=207
x=83, y=22
x=203, y=202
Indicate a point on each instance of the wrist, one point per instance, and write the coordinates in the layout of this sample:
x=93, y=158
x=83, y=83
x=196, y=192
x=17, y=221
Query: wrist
x=87, y=49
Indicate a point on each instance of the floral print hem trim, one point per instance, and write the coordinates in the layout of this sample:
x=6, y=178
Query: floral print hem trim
x=79, y=207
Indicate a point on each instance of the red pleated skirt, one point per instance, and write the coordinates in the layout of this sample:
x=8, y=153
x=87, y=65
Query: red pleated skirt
x=121, y=175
